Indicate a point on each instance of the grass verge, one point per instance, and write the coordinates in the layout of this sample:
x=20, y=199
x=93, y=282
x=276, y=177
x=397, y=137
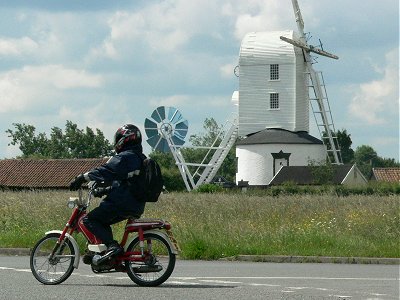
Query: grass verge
x=212, y=226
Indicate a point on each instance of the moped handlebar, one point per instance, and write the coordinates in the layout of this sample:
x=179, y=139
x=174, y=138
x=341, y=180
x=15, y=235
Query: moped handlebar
x=80, y=200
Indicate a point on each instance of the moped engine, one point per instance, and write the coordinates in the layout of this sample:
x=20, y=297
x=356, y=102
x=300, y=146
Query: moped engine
x=96, y=260
x=87, y=258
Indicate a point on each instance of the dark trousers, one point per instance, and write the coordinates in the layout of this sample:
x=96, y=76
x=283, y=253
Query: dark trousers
x=100, y=219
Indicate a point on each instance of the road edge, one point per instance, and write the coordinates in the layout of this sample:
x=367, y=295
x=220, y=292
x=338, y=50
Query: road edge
x=315, y=259
x=265, y=258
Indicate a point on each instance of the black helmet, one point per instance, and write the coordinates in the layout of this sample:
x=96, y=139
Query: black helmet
x=126, y=135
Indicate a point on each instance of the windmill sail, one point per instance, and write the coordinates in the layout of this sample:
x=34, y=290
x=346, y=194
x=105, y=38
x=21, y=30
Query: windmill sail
x=321, y=110
x=308, y=47
x=165, y=121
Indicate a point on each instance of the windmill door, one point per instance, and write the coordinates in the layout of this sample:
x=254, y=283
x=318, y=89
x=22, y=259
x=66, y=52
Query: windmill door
x=279, y=163
x=280, y=159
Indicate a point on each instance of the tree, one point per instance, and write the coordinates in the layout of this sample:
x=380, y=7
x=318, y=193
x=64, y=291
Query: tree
x=212, y=130
x=212, y=136
x=74, y=143
x=28, y=142
x=345, y=142
x=322, y=173
x=365, y=158
x=57, y=144
x=386, y=162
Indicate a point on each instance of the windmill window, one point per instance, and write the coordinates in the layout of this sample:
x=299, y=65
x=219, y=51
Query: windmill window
x=274, y=101
x=274, y=72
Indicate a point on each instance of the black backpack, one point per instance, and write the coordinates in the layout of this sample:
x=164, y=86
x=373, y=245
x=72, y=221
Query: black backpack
x=148, y=184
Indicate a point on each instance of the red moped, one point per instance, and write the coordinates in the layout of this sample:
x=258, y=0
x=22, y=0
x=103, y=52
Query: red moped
x=149, y=256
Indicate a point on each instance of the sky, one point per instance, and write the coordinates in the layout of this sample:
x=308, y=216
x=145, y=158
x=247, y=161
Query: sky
x=101, y=63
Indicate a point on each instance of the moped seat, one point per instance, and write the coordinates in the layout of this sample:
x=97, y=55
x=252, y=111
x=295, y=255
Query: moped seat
x=147, y=223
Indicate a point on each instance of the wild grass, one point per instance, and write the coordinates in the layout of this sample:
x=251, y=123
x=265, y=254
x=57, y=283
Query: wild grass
x=212, y=226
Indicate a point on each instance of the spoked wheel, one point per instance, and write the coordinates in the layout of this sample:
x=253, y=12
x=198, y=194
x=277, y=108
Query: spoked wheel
x=158, y=264
x=56, y=269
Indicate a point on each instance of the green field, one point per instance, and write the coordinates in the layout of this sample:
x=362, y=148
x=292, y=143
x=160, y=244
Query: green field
x=213, y=226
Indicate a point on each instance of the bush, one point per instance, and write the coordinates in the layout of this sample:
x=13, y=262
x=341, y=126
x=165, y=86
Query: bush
x=173, y=180
x=209, y=188
x=291, y=188
x=373, y=188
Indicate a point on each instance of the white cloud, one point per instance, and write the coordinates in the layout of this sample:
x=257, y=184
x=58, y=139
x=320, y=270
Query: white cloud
x=17, y=47
x=67, y=78
x=36, y=84
x=162, y=27
x=11, y=95
x=66, y=113
x=373, y=102
x=227, y=70
x=155, y=26
x=260, y=15
x=56, y=37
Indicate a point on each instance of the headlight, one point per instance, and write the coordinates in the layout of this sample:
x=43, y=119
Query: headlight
x=72, y=202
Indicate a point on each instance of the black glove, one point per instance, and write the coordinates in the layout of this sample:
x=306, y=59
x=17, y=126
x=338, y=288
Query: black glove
x=101, y=191
x=76, y=183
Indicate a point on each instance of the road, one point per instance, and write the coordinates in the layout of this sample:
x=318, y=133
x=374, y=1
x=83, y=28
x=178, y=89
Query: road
x=212, y=280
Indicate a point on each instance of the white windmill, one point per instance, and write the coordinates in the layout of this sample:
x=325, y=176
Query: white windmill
x=273, y=105
x=277, y=86
x=317, y=92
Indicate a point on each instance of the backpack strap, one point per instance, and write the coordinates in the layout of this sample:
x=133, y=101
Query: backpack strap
x=133, y=173
x=142, y=158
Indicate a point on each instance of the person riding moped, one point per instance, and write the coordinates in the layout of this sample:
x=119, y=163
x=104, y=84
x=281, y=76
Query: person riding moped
x=120, y=202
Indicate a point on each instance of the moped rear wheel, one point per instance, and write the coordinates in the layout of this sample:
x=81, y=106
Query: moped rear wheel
x=53, y=270
x=158, y=264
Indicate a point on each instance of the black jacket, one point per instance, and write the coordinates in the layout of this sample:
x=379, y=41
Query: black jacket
x=115, y=173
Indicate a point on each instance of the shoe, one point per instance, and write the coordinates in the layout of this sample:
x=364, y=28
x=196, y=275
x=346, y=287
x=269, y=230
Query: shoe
x=114, y=250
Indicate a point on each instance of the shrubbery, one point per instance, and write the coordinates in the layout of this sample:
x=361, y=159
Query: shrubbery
x=290, y=188
x=209, y=188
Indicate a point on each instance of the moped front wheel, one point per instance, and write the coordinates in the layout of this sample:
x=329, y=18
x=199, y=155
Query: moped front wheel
x=48, y=268
x=157, y=264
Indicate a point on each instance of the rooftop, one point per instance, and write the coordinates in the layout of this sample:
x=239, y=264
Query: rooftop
x=279, y=136
x=303, y=175
x=44, y=173
x=386, y=174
